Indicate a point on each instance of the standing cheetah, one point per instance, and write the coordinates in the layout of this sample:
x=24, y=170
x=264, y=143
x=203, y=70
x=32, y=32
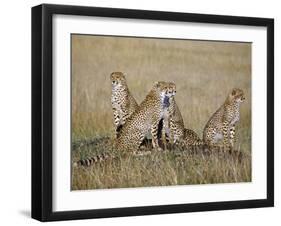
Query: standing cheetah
x=146, y=118
x=123, y=103
x=222, y=123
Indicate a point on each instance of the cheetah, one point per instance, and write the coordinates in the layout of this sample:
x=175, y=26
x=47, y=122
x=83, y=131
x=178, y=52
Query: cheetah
x=173, y=123
x=175, y=129
x=221, y=126
x=146, y=118
x=123, y=103
x=191, y=138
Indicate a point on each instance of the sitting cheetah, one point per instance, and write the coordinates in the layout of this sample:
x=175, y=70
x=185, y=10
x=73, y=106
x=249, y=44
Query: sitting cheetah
x=173, y=123
x=123, y=103
x=222, y=123
x=146, y=118
x=174, y=128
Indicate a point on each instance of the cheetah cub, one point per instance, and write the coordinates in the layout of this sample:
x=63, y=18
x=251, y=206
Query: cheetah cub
x=146, y=118
x=123, y=103
x=175, y=130
x=173, y=123
x=221, y=126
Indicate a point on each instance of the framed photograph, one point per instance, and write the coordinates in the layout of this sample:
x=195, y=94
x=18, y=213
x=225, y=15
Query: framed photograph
x=145, y=112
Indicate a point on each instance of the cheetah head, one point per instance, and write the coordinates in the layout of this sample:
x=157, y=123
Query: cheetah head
x=166, y=90
x=117, y=79
x=237, y=95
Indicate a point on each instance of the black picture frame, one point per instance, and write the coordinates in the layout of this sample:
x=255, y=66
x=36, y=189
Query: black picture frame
x=42, y=107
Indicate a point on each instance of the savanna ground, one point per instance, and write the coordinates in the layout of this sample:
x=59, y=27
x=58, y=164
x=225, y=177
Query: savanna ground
x=204, y=73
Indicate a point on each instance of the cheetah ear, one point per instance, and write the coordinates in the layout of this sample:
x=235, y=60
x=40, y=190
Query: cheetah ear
x=233, y=93
x=156, y=84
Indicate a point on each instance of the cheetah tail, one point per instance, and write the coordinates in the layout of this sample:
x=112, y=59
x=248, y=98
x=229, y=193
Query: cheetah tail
x=93, y=160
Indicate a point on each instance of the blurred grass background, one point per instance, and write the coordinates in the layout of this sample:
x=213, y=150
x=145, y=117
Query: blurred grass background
x=203, y=71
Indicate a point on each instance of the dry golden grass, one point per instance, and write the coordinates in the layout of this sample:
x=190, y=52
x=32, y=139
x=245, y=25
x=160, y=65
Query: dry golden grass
x=204, y=73
x=162, y=168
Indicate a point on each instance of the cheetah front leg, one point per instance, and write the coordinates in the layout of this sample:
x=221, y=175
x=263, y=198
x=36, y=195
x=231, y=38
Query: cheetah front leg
x=164, y=129
x=116, y=121
x=226, y=135
x=232, y=136
x=154, y=131
x=172, y=138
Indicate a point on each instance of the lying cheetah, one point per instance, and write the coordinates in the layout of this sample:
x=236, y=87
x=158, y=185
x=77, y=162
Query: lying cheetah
x=222, y=123
x=191, y=138
x=123, y=103
x=146, y=118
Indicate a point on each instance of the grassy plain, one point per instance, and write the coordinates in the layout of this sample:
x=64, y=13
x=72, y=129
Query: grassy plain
x=204, y=73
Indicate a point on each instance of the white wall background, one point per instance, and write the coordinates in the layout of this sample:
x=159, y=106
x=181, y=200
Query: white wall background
x=15, y=118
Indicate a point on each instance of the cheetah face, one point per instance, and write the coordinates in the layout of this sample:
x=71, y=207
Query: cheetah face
x=167, y=89
x=117, y=79
x=237, y=95
x=170, y=90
